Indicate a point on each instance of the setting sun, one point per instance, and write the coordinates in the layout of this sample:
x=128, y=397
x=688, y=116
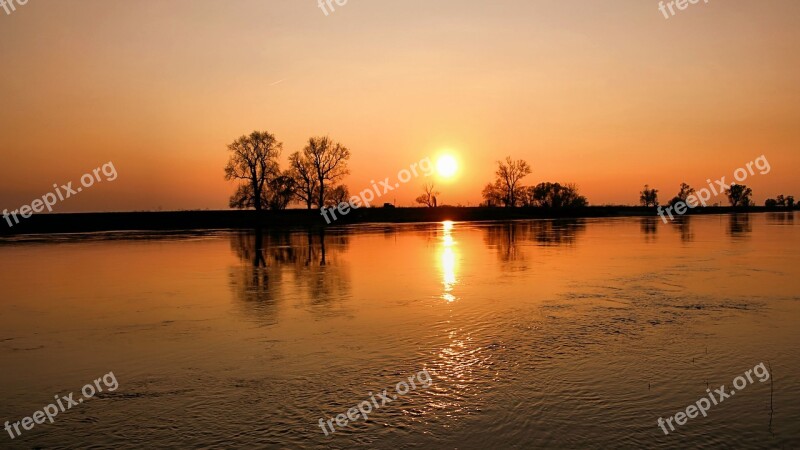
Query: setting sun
x=446, y=166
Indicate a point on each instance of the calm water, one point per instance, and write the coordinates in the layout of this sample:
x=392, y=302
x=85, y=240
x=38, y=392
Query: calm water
x=536, y=334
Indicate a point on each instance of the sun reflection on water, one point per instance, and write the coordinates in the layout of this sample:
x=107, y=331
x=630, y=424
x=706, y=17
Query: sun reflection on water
x=448, y=258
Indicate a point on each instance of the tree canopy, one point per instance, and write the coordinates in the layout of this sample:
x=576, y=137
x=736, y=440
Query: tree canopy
x=254, y=161
x=739, y=195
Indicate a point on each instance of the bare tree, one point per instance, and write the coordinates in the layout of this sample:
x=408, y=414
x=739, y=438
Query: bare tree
x=253, y=160
x=305, y=177
x=281, y=191
x=329, y=160
x=509, y=174
x=492, y=195
x=336, y=196
x=278, y=193
x=243, y=197
x=429, y=197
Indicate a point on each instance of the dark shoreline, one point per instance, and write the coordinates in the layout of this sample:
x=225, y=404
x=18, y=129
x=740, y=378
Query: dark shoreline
x=212, y=220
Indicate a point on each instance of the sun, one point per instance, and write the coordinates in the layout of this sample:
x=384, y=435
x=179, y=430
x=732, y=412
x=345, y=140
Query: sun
x=446, y=166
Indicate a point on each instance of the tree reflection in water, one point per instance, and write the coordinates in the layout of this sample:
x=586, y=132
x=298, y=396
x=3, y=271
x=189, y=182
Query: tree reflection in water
x=684, y=226
x=280, y=264
x=739, y=225
x=506, y=237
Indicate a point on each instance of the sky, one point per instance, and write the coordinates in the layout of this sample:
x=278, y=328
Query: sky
x=609, y=95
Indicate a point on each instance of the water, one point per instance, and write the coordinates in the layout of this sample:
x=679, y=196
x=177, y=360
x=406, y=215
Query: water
x=536, y=334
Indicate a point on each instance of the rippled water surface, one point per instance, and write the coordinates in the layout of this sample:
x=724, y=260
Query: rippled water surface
x=536, y=334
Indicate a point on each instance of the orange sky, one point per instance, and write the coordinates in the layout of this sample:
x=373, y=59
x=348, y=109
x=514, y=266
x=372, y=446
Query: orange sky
x=609, y=95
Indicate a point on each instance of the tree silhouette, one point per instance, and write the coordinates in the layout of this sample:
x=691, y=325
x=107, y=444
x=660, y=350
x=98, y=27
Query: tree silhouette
x=739, y=195
x=253, y=160
x=780, y=202
x=429, y=197
x=785, y=201
x=509, y=174
x=305, y=177
x=648, y=197
x=554, y=195
x=336, y=196
x=683, y=194
x=329, y=160
x=277, y=194
x=243, y=197
x=281, y=191
x=492, y=195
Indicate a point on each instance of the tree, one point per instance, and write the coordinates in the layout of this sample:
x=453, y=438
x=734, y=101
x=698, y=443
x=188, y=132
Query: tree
x=243, y=197
x=305, y=177
x=429, y=197
x=526, y=199
x=648, y=197
x=281, y=191
x=277, y=194
x=336, y=196
x=786, y=201
x=781, y=202
x=683, y=194
x=253, y=160
x=739, y=195
x=492, y=195
x=329, y=161
x=509, y=174
x=555, y=195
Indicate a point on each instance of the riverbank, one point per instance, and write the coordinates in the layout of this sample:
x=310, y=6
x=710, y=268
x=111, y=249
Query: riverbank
x=207, y=220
